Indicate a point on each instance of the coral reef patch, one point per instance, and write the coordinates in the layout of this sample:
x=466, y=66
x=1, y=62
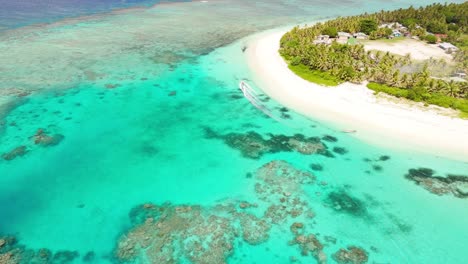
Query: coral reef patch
x=14, y=153
x=253, y=145
x=11, y=252
x=456, y=185
x=43, y=139
x=351, y=255
x=167, y=233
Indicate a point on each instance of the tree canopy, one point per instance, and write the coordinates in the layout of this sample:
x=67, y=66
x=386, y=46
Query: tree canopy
x=368, y=25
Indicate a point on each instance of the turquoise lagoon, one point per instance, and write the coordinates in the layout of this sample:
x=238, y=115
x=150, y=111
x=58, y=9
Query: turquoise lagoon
x=133, y=93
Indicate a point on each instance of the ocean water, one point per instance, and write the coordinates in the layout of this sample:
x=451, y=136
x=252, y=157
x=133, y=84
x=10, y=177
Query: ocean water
x=143, y=107
x=14, y=14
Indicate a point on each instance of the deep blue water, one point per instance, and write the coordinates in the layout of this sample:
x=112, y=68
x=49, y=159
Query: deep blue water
x=26, y=12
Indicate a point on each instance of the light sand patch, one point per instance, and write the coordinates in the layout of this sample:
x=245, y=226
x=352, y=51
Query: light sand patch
x=418, y=50
x=388, y=123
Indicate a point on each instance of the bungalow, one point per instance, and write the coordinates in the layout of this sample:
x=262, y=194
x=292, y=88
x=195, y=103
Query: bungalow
x=322, y=39
x=361, y=35
x=448, y=47
x=344, y=35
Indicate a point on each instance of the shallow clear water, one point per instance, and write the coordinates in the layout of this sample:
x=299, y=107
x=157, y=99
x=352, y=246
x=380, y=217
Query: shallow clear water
x=133, y=94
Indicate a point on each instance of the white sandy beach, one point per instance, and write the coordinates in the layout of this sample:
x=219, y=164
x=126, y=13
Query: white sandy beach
x=377, y=120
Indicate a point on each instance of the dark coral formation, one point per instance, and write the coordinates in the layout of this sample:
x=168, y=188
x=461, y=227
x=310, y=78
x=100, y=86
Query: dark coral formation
x=340, y=150
x=43, y=139
x=11, y=252
x=330, y=138
x=89, y=257
x=351, y=255
x=14, y=153
x=452, y=184
x=253, y=145
x=384, y=158
x=343, y=202
x=316, y=167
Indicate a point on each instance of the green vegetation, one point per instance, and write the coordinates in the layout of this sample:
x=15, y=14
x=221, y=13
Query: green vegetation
x=368, y=26
x=419, y=94
x=431, y=39
x=315, y=76
x=330, y=31
x=335, y=63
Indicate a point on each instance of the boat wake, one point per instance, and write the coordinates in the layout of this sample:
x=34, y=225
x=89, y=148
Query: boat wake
x=253, y=98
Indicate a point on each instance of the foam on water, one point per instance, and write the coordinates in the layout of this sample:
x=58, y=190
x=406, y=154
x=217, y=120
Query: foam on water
x=133, y=94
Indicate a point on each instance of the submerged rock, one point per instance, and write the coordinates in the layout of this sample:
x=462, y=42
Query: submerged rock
x=456, y=185
x=43, y=139
x=351, y=255
x=14, y=153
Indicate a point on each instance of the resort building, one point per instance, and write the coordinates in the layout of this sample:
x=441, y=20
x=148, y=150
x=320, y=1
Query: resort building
x=448, y=47
x=343, y=37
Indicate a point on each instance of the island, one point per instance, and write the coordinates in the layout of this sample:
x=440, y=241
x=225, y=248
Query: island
x=332, y=52
x=398, y=78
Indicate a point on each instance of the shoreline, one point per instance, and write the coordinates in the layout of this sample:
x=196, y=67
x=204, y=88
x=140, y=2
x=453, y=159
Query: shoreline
x=377, y=119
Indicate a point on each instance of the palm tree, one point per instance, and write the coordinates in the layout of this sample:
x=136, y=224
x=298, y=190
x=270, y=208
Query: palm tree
x=432, y=85
x=396, y=78
x=405, y=80
x=452, y=89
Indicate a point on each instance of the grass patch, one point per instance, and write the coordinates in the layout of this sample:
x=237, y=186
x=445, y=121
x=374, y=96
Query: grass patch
x=315, y=76
x=419, y=95
x=397, y=92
